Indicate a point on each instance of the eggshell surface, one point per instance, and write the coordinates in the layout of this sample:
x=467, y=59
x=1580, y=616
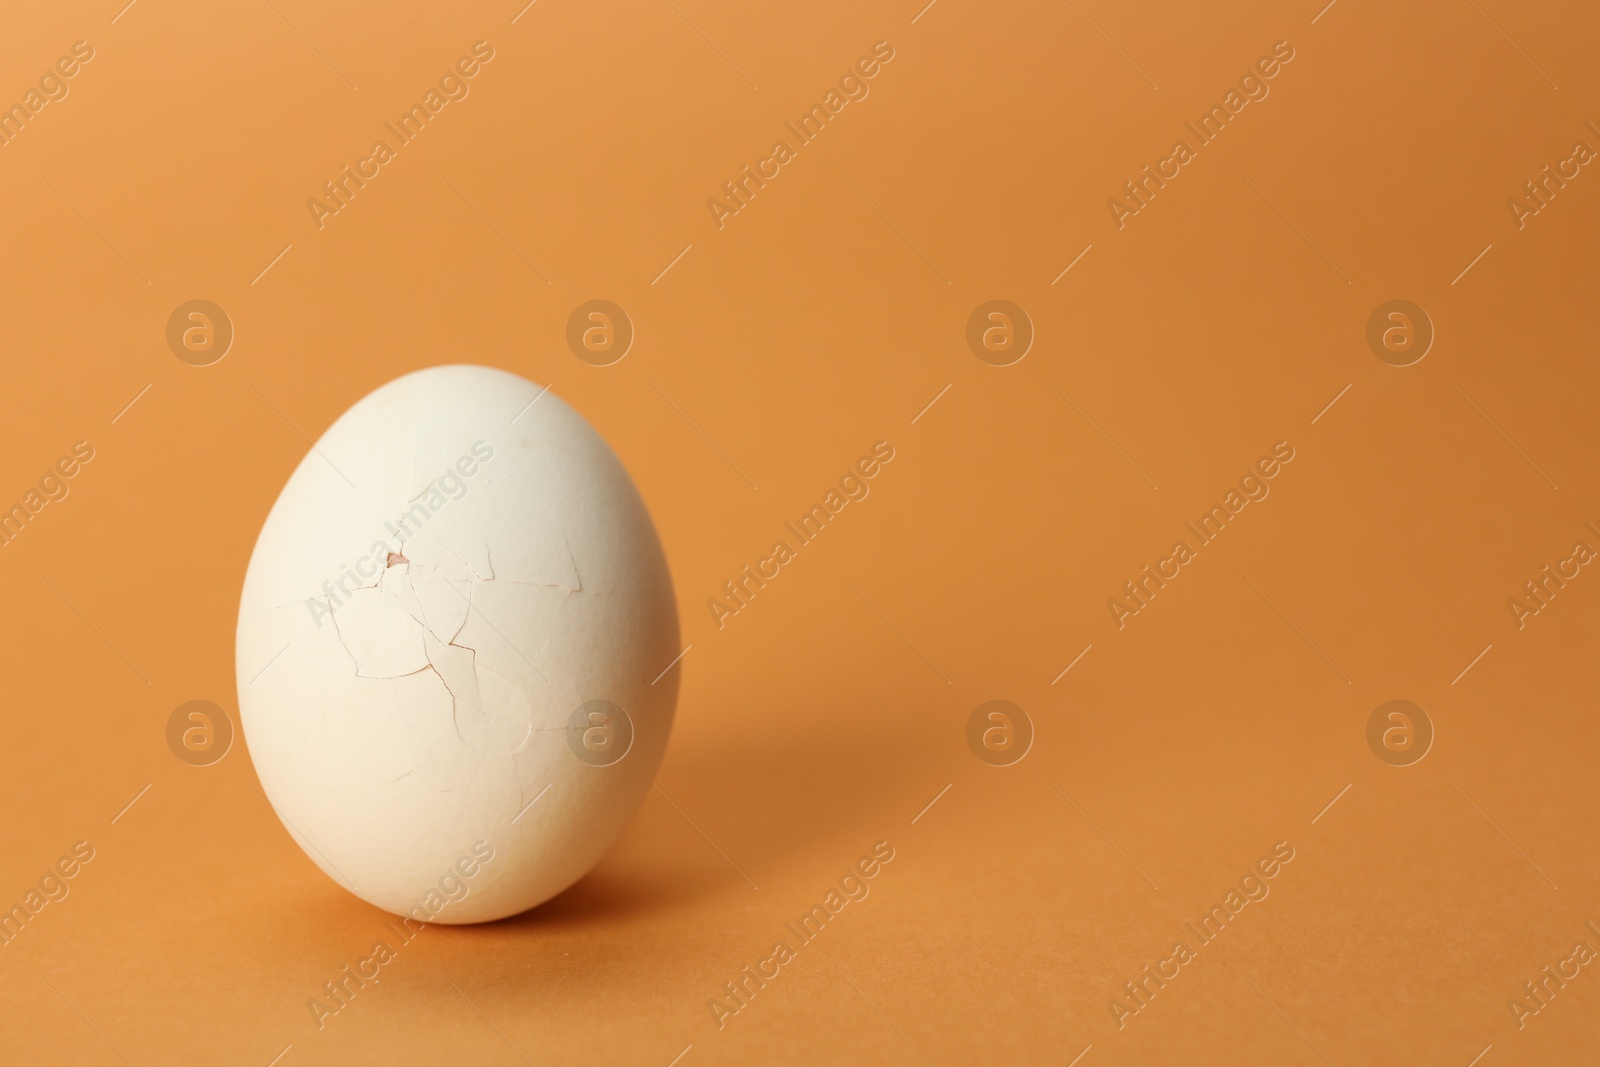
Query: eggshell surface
x=451, y=640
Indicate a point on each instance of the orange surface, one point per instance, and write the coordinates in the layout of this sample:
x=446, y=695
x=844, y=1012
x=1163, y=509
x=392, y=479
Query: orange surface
x=769, y=353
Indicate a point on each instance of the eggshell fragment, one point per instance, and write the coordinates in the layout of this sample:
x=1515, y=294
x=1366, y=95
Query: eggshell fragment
x=455, y=616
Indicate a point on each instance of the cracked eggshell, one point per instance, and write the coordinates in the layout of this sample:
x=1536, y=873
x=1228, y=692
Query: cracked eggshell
x=456, y=567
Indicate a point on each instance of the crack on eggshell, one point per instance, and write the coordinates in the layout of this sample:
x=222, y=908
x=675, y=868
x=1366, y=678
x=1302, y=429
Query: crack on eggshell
x=555, y=627
x=380, y=654
x=414, y=618
x=463, y=691
x=444, y=616
x=572, y=561
x=340, y=635
x=465, y=563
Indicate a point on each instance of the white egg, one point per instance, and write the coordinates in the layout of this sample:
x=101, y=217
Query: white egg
x=451, y=643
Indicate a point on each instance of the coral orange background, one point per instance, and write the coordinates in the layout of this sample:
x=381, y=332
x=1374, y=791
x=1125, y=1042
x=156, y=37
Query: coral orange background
x=823, y=317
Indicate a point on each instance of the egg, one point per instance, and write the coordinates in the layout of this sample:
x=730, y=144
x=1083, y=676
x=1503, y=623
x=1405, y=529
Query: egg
x=456, y=647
